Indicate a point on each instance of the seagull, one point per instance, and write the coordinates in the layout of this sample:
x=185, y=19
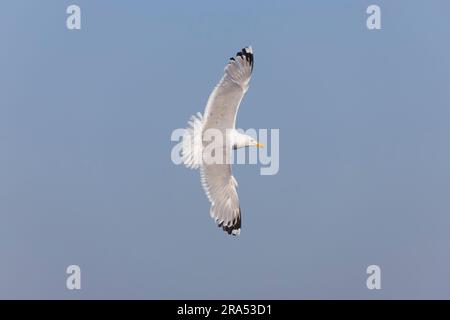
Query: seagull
x=220, y=117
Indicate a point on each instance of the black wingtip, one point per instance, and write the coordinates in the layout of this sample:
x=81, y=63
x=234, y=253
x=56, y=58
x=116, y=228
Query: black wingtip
x=234, y=228
x=247, y=54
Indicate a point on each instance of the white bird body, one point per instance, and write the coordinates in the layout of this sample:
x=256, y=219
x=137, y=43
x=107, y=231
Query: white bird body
x=219, y=118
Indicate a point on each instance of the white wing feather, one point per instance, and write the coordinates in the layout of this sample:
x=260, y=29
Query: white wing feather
x=220, y=113
x=224, y=100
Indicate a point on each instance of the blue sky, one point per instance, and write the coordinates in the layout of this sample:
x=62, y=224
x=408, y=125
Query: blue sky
x=85, y=170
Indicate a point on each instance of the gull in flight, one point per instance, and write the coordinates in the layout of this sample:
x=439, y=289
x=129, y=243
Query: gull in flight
x=220, y=117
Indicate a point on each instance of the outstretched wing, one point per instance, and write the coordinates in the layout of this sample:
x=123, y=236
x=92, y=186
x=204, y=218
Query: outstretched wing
x=224, y=101
x=220, y=188
x=220, y=113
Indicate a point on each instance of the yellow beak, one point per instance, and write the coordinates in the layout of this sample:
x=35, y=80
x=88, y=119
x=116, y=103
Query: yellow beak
x=260, y=145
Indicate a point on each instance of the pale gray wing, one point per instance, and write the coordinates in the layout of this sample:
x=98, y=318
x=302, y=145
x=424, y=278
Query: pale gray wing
x=220, y=188
x=220, y=113
x=224, y=101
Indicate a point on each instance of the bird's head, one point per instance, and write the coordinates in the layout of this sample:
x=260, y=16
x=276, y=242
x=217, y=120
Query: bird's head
x=254, y=143
x=240, y=140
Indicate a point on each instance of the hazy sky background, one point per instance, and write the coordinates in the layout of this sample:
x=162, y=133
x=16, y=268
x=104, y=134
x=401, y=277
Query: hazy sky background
x=85, y=170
